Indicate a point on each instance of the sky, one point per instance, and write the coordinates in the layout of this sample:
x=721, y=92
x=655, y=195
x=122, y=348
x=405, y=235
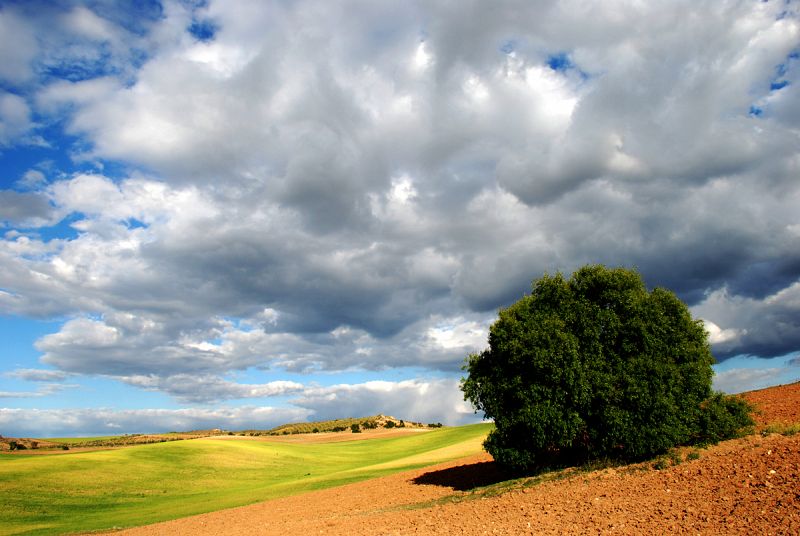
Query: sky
x=238, y=214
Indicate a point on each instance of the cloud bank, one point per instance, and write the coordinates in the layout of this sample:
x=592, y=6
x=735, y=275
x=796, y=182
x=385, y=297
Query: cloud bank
x=299, y=189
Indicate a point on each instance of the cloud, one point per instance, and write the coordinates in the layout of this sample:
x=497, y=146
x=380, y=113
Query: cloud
x=38, y=375
x=18, y=46
x=49, y=383
x=82, y=21
x=108, y=347
x=25, y=209
x=199, y=389
x=32, y=179
x=717, y=336
x=94, y=422
x=767, y=328
x=304, y=190
x=42, y=391
x=739, y=380
x=15, y=118
x=437, y=400
x=176, y=356
x=416, y=400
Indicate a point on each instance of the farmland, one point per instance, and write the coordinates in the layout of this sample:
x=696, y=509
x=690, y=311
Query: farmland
x=142, y=484
x=307, y=484
x=741, y=486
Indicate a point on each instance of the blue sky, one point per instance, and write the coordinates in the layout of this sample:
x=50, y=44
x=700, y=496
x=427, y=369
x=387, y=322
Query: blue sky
x=239, y=214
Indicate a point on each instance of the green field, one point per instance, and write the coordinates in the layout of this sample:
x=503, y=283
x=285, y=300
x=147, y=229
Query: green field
x=78, y=492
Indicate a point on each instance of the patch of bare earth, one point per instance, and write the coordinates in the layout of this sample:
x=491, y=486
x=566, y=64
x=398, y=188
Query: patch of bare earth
x=776, y=404
x=745, y=486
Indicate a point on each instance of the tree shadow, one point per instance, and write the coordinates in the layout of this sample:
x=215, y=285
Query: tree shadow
x=465, y=477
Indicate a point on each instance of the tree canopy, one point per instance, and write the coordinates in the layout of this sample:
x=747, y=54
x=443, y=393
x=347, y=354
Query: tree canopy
x=592, y=366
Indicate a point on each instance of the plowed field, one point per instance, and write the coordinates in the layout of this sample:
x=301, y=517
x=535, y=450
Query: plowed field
x=744, y=486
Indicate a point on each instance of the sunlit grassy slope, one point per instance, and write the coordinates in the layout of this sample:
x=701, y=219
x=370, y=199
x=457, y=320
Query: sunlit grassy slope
x=63, y=493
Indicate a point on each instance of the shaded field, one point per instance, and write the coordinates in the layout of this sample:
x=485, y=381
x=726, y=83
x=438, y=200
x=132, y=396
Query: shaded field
x=136, y=485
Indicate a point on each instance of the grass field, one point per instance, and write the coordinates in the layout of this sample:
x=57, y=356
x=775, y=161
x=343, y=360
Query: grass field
x=65, y=493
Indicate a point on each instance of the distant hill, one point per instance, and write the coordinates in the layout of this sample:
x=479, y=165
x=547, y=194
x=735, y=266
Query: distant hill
x=67, y=443
x=340, y=425
x=336, y=425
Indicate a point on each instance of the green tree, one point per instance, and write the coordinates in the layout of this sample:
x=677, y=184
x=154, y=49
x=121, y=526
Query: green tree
x=588, y=367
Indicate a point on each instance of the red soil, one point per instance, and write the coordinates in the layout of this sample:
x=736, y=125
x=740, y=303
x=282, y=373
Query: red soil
x=776, y=404
x=744, y=486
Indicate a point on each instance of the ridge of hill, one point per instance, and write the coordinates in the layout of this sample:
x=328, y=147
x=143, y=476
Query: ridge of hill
x=333, y=425
x=68, y=443
x=340, y=425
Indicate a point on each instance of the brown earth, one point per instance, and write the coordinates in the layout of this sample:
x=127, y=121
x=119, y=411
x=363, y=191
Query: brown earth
x=744, y=486
x=776, y=404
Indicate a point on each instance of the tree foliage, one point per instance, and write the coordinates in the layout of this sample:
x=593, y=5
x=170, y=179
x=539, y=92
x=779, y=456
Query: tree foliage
x=593, y=366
